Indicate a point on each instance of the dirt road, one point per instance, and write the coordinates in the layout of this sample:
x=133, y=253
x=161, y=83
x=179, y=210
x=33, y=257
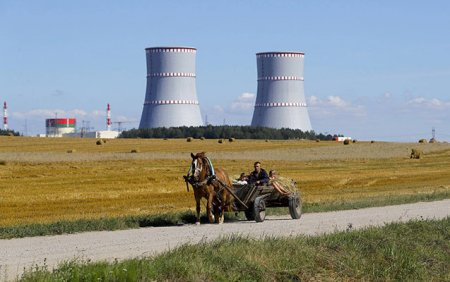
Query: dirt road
x=15, y=254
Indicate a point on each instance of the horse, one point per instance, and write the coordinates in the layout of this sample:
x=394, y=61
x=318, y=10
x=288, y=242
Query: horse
x=209, y=183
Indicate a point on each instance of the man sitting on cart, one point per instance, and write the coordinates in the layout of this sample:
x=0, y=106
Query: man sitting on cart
x=259, y=176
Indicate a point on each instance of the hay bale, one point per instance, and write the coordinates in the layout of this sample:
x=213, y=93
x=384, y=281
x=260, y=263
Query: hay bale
x=432, y=140
x=267, y=140
x=423, y=141
x=416, y=154
x=71, y=151
x=2, y=162
x=202, y=138
x=354, y=141
x=220, y=141
x=134, y=151
x=99, y=142
x=317, y=140
x=231, y=139
x=346, y=142
x=104, y=140
x=371, y=142
x=189, y=139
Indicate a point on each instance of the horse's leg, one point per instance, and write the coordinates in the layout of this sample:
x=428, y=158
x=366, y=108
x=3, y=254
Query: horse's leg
x=223, y=205
x=209, y=209
x=197, y=200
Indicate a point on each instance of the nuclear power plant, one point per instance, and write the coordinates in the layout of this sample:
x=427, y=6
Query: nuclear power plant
x=171, y=97
x=280, y=99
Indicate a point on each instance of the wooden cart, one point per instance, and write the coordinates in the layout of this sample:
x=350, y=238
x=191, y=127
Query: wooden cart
x=254, y=200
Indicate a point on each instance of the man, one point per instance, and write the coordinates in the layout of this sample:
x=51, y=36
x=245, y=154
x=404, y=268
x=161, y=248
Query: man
x=259, y=176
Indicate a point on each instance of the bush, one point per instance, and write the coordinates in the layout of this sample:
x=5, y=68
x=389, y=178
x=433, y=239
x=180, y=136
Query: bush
x=231, y=139
x=220, y=141
x=416, y=154
x=189, y=139
x=423, y=141
x=134, y=151
x=346, y=141
x=71, y=151
x=99, y=142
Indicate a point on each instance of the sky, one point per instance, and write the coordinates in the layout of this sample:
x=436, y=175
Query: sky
x=373, y=70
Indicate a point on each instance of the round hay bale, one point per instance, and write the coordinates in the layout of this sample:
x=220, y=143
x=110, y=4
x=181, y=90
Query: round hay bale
x=354, y=141
x=416, y=154
x=189, y=139
x=220, y=141
x=346, y=142
x=423, y=141
x=134, y=151
x=71, y=151
x=99, y=142
x=371, y=142
x=317, y=140
x=104, y=140
x=202, y=138
x=2, y=162
x=231, y=139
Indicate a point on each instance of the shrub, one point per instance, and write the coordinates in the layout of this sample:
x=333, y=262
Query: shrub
x=134, y=151
x=423, y=141
x=71, y=151
x=99, y=142
x=189, y=139
x=231, y=139
x=346, y=141
x=220, y=141
x=416, y=154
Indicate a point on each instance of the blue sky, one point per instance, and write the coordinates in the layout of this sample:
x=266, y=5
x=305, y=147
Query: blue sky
x=374, y=70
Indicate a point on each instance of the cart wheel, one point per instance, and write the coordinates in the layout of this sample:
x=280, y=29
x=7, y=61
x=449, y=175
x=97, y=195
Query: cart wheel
x=249, y=215
x=259, y=209
x=295, y=206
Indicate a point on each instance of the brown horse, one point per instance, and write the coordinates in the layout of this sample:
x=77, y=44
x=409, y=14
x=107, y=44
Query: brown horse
x=209, y=183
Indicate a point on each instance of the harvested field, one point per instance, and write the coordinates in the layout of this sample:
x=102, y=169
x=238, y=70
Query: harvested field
x=40, y=182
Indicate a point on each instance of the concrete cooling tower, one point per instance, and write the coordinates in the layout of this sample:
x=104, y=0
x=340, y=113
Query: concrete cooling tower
x=170, y=98
x=280, y=100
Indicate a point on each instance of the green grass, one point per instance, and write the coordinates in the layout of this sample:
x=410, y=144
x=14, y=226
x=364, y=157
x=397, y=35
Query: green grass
x=413, y=251
x=179, y=218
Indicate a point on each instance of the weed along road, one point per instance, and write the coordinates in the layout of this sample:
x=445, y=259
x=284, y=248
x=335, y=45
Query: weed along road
x=15, y=254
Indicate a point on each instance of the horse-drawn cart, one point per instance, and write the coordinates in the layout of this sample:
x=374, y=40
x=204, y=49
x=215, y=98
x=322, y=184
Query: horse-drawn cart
x=254, y=200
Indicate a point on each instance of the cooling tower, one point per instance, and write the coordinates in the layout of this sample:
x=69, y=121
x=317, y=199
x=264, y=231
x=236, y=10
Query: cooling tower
x=280, y=100
x=170, y=98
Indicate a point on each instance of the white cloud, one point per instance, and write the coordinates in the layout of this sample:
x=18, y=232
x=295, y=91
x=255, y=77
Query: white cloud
x=337, y=101
x=245, y=102
x=432, y=103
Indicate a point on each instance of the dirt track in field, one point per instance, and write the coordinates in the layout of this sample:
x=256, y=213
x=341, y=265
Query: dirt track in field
x=15, y=254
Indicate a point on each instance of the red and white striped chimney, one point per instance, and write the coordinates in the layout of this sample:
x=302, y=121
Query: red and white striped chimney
x=108, y=117
x=5, y=116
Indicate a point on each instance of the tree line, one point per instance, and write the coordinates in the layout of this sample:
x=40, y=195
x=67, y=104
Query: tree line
x=225, y=131
x=8, y=132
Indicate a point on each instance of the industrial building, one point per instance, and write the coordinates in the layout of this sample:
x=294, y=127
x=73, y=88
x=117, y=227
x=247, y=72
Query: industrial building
x=280, y=100
x=171, y=97
x=57, y=127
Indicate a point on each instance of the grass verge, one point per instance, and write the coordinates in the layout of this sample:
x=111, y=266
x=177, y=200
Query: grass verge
x=173, y=219
x=413, y=251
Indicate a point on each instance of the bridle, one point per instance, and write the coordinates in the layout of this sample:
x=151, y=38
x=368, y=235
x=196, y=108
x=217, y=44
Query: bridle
x=193, y=174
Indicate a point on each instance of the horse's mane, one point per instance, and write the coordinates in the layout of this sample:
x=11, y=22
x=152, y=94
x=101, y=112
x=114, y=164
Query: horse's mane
x=201, y=155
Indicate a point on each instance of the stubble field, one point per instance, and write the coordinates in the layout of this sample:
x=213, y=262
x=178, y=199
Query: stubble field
x=40, y=182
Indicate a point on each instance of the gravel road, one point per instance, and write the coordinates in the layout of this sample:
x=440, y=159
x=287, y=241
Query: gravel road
x=15, y=254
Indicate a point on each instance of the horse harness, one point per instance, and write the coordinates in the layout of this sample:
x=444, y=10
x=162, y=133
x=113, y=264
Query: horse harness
x=210, y=176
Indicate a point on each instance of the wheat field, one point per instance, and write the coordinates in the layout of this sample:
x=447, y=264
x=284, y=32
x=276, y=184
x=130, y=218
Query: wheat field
x=40, y=182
